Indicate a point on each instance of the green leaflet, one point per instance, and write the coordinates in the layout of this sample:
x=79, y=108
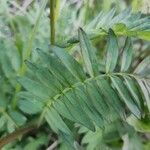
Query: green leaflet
x=19, y=118
x=93, y=139
x=147, y=85
x=62, y=75
x=113, y=101
x=132, y=142
x=101, y=20
x=144, y=34
x=62, y=109
x=104, y=20
x=9, y=58
x=71, y=64
x=10, y=123
x=45, y=77
x=35, y=88
x=76, y=110
x=94, y=22
x=27, y=96
x=107, y=20
x=30, y=106
x=112, y=51
x=88, y=53
x=49, y=80
x=120, y=28
x=123, y=15
x=97, y=100
x=133, y=89
x=67, y=140
x=125, y=96
x=143, y=65
x=55, y=121
x=7, y=66
x=88, y=106
x=2, y=121
x=29, y=100
x=31, y=66
x=145, y=92
x=127, y=55
x=139, y=125
x=137, y=25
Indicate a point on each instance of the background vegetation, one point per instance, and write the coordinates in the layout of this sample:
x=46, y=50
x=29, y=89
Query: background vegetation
x=91, y=90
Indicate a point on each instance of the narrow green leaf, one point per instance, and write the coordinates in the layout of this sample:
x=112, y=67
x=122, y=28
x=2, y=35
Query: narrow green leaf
x=125, y=96
x=71, y=64
x=27, y=96
x=31, y=66
x=45, y=77
x=123, y=15
x=145, y=92
x=2, y=121
x=143, y=65
x=53, y=116
x=77, y=111
x=35, y=88
x=86, y=104
x=88, y=53
x=132, y=142
x=139, y=125
x=94, y=22
x=127, y=55
x=132, y=87
x=53, y=64
x=51, y=122
x=19, y=118
x=49, y=80
x=60, y=106
x=112, y=51
x=113, y=101
x=105, y=21
x=97, y=100
x=30, y=106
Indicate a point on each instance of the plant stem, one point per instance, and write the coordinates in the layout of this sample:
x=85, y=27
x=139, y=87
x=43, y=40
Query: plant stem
x=12, y=136
x=52, y=22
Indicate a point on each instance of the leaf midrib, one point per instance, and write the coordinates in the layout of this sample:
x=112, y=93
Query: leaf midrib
x=67, y=89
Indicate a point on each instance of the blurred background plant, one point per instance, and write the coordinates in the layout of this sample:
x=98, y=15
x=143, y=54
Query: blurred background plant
x=24, y=26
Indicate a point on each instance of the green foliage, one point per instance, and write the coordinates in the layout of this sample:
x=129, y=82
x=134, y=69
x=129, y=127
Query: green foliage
x=89, y=90
x=125, y=23
x=86, y=101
